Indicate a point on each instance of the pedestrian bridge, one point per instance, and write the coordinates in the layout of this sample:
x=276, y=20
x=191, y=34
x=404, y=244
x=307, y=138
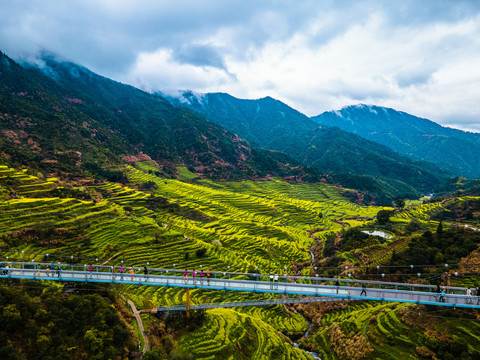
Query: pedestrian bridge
x=320, y=289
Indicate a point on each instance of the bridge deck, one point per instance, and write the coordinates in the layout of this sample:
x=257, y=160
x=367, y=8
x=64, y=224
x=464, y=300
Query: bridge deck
x=423, y=295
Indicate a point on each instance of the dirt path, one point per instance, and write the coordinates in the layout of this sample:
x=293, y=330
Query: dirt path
x=136, y=313
x=114, y=256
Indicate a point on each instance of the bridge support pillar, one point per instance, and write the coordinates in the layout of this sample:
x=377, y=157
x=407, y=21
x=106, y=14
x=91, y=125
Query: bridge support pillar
x=188, y=303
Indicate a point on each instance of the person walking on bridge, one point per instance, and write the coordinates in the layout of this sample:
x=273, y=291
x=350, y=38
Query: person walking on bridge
x=208, y=277
x=185, y=276
x=193, y=275
x=437, y=296
x=469, y=296
x=271, y=281
x=442, y=296
x=275, y=279
x=90, y=269
x=364, y=290
x=145, y=272
x=337, y=285
x=131, y=273
x=121, y=272
x=201, y=276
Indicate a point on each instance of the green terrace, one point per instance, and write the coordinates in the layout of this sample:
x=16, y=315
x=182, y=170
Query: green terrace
x=24, y=182
x=390, y=331
x=199, y=222
x=229, y=334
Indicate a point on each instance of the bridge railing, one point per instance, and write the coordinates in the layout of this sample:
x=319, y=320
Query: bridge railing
x=69, y=273
x=341, y=292
x=233, y=276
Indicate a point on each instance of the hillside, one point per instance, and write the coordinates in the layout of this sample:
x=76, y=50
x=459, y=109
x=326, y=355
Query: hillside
x=60, y=116
x=351, y=160
x=40, y=320
x=237, y=227
x=108, y=124
x=266, y=122
x=239, y=224
x=454, y=150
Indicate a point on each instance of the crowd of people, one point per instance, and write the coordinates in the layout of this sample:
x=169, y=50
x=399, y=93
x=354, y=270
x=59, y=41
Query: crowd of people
x=197, y=275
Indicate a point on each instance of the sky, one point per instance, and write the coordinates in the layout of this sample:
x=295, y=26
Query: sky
x=421, y=57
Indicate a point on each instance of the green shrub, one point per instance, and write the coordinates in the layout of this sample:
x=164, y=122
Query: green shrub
x=201, y=252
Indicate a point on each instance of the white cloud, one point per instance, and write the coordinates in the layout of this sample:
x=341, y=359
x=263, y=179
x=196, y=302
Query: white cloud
x=419, y=57
x=159, y=70
x=430, y=71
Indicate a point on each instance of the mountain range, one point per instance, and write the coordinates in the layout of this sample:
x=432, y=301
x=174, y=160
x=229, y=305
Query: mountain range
x=349, y=159
x=59, y=116
x=453, y=150
x=64, y=130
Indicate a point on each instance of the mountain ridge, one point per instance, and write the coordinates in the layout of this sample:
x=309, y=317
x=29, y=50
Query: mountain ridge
x=269, y=123
x=101, y=116
x=456, y=150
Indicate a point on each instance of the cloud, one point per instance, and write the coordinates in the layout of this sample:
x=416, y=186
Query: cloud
x=160, y=70
x=419, y=57
x=200, y=55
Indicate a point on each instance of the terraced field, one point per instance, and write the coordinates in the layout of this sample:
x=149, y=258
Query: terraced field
x=233, y=335
x=394, y=331
x=239, y=226
x=378, y=255
x=25, y=184
x=226, y=226
x=418, y=212
x=260, y=224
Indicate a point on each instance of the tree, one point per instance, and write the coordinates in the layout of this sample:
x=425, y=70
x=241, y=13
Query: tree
x=412, y=226
x=399, y=203
x=383, y=216
x=439, y=229
x=394, y=259
x=93, y=342
x=11, y=316
x=152, y=355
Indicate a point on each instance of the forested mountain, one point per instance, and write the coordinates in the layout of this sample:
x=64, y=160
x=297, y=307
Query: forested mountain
x=265, y=122
x=352, y=160
x=454, y=150
x=62, y=116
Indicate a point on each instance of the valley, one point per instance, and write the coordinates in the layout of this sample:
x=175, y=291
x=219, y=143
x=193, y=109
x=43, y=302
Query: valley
x=263, y=226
